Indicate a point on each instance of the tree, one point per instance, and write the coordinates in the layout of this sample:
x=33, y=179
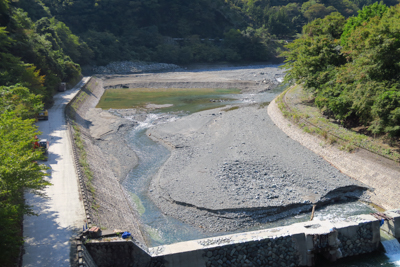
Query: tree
x=368, y=12
x=18, y=172
x=19, y=100
x=318, y=11
x=311, y=58
x=357, y=83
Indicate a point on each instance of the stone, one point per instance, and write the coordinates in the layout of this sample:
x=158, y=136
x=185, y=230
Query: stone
x=232, y=252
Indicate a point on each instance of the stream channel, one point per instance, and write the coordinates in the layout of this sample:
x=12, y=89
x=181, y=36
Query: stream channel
x=162, y=229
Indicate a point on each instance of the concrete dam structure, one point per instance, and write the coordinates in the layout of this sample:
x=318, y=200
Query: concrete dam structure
x=302, y=244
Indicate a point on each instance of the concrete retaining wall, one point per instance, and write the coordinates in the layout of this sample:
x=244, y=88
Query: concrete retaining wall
x=120, y=253
x=392, y=226
x=301, y=244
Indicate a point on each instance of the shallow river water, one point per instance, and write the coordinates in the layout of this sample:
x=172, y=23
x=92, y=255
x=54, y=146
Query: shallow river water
x=162, y=229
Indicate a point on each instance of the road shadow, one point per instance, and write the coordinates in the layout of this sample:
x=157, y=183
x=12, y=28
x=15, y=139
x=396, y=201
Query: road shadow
x=46, y=241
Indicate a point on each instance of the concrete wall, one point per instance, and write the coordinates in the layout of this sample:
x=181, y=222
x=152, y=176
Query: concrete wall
x=392, y=226
x=85, y=257
x=300, y=244
x=120, y=253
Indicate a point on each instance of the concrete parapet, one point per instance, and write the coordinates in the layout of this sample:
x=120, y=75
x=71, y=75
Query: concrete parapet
x=392, y=225
x=299, y=244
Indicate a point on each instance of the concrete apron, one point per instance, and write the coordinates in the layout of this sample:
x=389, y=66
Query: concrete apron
x=299, y=244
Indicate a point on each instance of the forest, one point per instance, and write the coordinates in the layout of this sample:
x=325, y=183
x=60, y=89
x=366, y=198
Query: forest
x=352, y=67
x=346, y=52
x=208, y=30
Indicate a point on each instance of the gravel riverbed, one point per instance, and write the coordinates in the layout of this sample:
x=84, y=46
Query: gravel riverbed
x=229, y=168
x=233, y=169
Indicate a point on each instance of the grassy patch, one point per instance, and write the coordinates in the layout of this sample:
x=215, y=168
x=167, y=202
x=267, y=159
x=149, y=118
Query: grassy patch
x=188, y=100
x=231, y=108
x=85, y=165
x=309, y=118
x=264, y=104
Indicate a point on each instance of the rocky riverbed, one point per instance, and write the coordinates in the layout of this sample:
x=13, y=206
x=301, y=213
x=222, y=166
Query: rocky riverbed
x=232, y=167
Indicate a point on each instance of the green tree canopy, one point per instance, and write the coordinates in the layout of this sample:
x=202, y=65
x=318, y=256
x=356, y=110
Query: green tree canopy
x=357, y=83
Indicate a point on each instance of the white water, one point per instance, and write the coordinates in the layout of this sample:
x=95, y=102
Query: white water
x=392, y=251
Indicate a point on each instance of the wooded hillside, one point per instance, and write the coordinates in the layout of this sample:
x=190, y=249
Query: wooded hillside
x=352, y=67
x=208, y=30
x=33, y=61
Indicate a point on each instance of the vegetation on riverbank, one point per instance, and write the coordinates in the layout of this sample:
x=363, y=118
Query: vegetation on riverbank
x=33, y=62
x=297, y=105
x=36, y=54
x=351, y=68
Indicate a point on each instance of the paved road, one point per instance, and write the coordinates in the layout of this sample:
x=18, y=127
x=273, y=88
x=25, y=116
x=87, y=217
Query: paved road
x=61, y=214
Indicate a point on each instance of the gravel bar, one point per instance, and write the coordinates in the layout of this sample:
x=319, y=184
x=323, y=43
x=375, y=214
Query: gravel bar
x=232, y=169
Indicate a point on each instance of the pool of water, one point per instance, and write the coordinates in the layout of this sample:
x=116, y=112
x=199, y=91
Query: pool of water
x=188, y=100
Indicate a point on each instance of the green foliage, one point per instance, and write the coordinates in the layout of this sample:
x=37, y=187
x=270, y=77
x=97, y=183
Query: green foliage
x=317, y=10
x=32, y=63
x=175, y=31
x=312, y=57
x=357, y=83
x=387, y=111
x=34, y=54
x=17, y=99
x=364, y=15
x=18, y=172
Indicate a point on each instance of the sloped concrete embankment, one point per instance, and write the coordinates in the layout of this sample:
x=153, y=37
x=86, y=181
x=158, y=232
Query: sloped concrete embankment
x=107, y=204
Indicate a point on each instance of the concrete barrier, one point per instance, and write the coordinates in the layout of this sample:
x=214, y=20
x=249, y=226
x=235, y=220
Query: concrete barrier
x=392, y=226
x=301, y=244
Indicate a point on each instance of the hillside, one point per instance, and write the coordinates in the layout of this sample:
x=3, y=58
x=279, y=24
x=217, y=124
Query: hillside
x=351, y=68
x=186, y=31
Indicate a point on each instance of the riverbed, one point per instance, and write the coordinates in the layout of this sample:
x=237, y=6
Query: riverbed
x=227, y=169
